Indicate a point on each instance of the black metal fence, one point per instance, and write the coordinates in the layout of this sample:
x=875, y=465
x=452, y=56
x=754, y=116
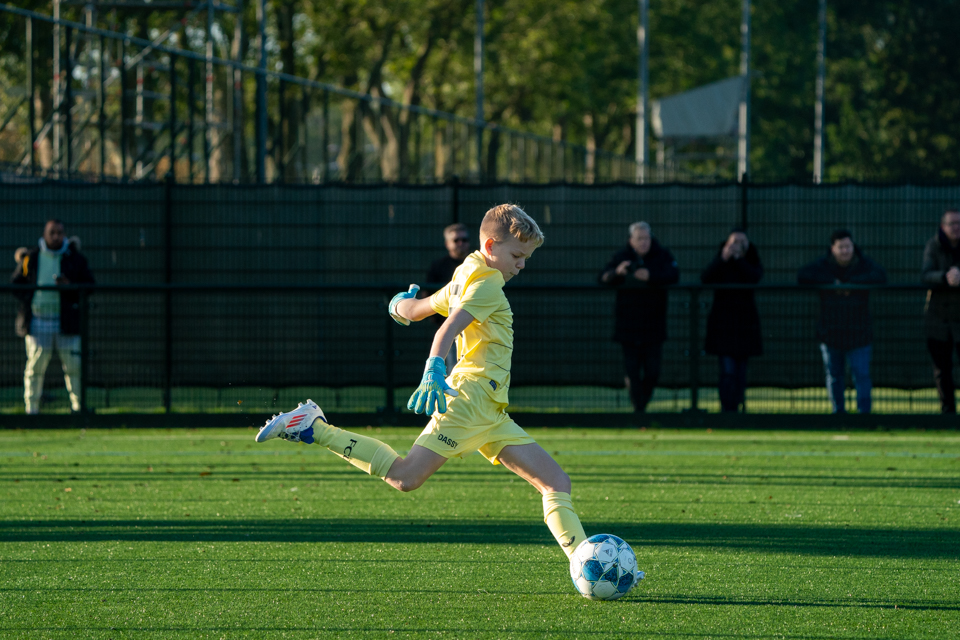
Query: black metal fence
x=245, y=298
x=233, y=348
x=85, y=102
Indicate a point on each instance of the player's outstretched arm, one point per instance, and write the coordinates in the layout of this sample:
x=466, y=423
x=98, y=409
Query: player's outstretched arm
x=431, y=395
x=405, y=307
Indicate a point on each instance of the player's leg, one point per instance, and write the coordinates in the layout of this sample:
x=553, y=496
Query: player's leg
x=39, y=353
x=532, y=463
x=407, y=474
x=307, y=424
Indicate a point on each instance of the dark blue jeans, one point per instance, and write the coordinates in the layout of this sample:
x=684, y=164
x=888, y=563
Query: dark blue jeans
x=835, y=365
x=733, y=383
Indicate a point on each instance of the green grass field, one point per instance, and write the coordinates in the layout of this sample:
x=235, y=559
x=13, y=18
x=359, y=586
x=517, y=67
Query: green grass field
x=204, y=534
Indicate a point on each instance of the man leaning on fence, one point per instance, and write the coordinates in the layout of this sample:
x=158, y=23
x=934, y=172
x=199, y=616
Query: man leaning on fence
x=941, y=268
x=845, y=330
x=641, y=308
x=49, y=319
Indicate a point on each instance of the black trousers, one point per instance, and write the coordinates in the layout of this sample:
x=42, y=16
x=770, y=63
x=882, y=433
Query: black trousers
x=941, y=352
x=642, y=363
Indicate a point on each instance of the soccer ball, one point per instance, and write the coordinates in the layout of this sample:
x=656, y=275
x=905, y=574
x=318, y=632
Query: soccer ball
x=604, y=567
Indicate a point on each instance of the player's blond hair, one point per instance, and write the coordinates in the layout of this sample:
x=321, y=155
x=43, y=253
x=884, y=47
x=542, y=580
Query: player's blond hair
x=506, y=220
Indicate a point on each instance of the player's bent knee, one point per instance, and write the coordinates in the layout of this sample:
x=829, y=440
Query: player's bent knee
x=559, y=482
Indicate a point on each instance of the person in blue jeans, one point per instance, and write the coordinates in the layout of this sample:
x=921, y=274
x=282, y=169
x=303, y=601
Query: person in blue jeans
x=845, y=329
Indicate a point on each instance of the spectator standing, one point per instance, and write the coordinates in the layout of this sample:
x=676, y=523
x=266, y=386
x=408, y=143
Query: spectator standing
x=456, y=238
x=941, y=270
x=733, y=326
x=639, y=271
x=845, y=329
x=50, y=319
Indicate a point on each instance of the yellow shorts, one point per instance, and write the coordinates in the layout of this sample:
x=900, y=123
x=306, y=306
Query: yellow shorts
x=473, y=422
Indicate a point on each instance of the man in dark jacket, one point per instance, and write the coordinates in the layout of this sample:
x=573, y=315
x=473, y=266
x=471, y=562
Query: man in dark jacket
x=733, y=326
x=941, y=270
x=845, y=329
x=50, y=319
x=639, y=272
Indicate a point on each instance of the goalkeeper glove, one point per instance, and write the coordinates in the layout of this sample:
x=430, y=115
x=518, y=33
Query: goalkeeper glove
x=431, y=395
x=403, y=295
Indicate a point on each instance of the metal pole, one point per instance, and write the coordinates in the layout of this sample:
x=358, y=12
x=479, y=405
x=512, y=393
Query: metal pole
x=102, y=119
x=694, y=347
x=237, y=95
x=56, y=84
x=262, y=92
x=31, y=108
x=478, y=73
x=84, y=350
x=326, y=136
x=67, y=104
x=168, y=294
x=642, y=91
x=172, y=149
x=818, y=106
x=191, y=103
x=208, y=132
x=743, y=143
x=124, y=109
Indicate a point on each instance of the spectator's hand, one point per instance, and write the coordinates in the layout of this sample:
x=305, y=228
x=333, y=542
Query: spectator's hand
x=642, y=274
x=432, y=393
x=622, y=268
x=397, y=299
x=953, y=276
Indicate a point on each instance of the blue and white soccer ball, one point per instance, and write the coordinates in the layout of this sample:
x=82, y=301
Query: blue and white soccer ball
x=604, y=567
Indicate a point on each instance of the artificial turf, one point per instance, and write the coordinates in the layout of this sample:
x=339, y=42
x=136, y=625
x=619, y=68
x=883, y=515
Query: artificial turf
x=204, y=534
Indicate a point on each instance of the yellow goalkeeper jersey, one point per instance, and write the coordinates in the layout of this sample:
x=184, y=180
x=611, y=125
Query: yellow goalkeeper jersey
x=485, y=348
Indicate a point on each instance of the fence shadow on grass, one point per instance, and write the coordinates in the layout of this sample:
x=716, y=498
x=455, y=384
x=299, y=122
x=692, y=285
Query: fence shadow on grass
x=817, y=541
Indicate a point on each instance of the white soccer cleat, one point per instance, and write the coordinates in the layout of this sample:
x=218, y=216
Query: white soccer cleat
x=295, y=426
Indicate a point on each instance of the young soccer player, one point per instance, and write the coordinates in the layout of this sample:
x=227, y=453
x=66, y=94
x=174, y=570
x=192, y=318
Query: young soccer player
x=474, y=416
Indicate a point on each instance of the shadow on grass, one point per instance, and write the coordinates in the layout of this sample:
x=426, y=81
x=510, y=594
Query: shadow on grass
x=819, y=541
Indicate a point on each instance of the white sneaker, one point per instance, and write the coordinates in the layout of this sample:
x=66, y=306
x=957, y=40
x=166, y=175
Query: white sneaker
x=295, y=426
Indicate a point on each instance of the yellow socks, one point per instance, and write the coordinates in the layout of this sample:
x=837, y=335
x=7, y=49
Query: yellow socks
x=563, y=521
x=365, y=453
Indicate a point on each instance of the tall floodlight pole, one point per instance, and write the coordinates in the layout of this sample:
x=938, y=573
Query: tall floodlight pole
x=262, y=92
x=57, y=95
x=743, y=146
x=478, y=73
x=642, y=91
x=818, y=107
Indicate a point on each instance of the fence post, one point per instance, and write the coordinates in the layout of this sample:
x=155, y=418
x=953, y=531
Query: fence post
x=31, y=107
x=84, y=350
x=389, y=361
x=744, y=186
x=66, y=105
x=167, y=294
x=172, y=124
x=454, y=199
x=694, y=347
x=326, y=136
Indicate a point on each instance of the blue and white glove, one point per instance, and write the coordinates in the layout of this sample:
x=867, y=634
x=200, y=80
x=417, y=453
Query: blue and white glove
x=403, y=295
x=431, y=395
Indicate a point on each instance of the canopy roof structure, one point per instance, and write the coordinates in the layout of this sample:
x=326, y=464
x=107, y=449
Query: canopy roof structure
x=709, y=111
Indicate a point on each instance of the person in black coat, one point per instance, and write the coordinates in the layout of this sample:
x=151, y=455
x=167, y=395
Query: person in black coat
x=50, y=319
x=845, y=330
x=733, y=326
x=941, y=270
x=639, y=271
